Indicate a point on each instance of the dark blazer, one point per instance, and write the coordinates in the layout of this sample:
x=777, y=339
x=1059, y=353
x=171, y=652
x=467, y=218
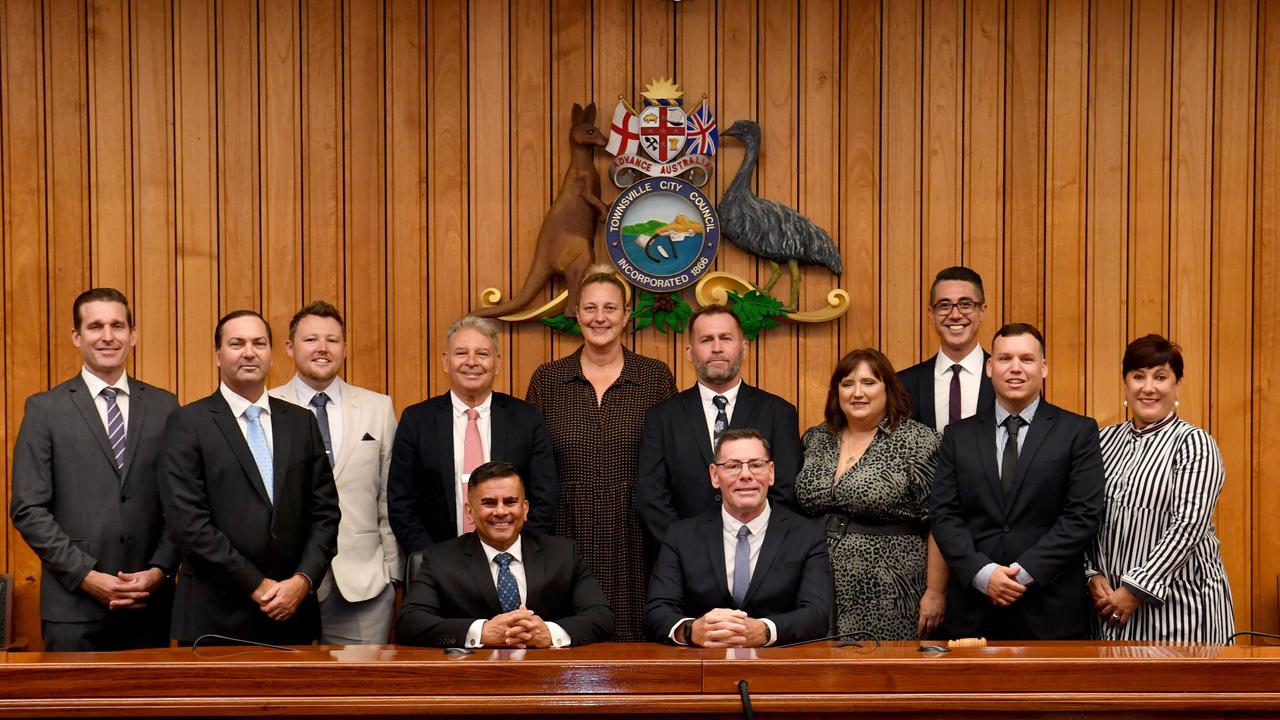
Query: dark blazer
x=918, y=380
x=230, y=534
x=77, y=511
x=1049, y=518
x=672, y=480
x=421, y=499
x=791, y=584
x=455, y=587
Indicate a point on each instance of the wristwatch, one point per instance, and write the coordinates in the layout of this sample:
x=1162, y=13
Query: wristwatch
x=688, y=632
x=768, y=634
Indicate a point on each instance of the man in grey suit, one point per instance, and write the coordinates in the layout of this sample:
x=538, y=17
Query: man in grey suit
x=84, y=492
x=357, y=596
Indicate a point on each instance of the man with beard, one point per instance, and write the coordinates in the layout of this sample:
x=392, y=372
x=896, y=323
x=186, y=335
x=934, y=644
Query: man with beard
x=679, y=434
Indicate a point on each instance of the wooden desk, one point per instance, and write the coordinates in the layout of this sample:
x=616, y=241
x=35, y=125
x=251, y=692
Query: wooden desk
x=615, y=680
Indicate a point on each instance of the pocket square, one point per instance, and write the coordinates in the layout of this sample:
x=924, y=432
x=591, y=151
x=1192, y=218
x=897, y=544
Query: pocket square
x=368, y=438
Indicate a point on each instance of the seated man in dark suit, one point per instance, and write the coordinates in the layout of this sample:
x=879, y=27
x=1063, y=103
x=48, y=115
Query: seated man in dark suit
x=1016, y=499
x=952, y=384
x=747, y=574
x=680, y=433
x=442, y=439
x=502, y=586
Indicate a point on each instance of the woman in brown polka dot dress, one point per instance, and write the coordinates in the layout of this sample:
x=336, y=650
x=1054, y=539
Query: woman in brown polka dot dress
x=594, y=402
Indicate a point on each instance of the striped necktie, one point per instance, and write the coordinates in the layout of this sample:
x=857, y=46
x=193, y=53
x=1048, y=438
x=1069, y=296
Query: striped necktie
x=115, y=426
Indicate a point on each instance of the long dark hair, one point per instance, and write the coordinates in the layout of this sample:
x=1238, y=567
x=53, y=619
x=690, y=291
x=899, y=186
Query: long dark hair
x=897, y=401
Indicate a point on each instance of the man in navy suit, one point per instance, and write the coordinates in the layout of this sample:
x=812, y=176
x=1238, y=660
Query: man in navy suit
x=679, y=434
x=84, y=492
x=249, y=496
x=1016, y=499
x=747, y=574
x=503, y=585
x=952, y=384
x=442, y=439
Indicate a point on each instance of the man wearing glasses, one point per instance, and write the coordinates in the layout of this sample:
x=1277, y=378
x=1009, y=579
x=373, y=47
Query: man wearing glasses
x=747, y=574
x=953, y=384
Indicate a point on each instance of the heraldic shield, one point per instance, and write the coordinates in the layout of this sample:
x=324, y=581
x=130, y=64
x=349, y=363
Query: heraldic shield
x=662, y=131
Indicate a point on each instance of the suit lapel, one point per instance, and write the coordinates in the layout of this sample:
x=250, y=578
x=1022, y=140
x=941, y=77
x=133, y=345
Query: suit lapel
x=83, y=402
x=352, y=422
x=986, y=440
x=744, y=408
x=713, y=532
x=986, y=391
x=230, y=429
x=281, y=440
x=774, y=537
x=1040, y=427
x=478, y=565
x=928, y=414
x=534, y=570
x=497, y=427
x=442, y=411
x=691, y=401
x=137, y=414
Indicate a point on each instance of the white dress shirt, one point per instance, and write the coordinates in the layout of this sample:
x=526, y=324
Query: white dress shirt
x=710, y=410
x=983, y=578
x=758, y=526
x=971, y=372
x=485, y=424
x=559, y=638
x=97, y=385
x=333, y=408
x=239, y=404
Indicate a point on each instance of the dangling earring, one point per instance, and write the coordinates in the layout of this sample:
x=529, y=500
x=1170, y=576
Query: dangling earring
x=1125, y=403
x=1177, y=404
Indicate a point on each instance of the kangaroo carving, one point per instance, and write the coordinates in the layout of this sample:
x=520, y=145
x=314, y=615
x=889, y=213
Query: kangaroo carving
x=566, y=239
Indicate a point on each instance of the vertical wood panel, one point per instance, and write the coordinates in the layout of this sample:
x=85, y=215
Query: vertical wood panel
x=154, y=231
x=408, y=326
x=942, y=153
x=1149, y=166
x=323, y=234
x=900, y=179
x=984, y=155
x=239, y=249
x=1108, y=211
x=365, y=222
x=1023, y=288
x=280, y=155
x=860, y=144
x=111, y=222
x=1065, y=201
x=531, y=167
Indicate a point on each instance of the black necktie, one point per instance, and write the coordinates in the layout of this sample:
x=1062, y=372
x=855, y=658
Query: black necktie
x=1009, y=461
x=320, y=402
x=722, y=419
x=953, y=414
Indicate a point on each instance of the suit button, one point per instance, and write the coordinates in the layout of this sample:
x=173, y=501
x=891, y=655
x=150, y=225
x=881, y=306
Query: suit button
x=124, y=498
x=273, y=534
x=1005, y=528
x=716, y=497
x=121, y=539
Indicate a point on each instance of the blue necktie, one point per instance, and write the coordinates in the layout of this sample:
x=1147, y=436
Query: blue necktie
x=320, y=401
x=508, y=591
x=742, y=567
x=261, y=452
x=115, y=426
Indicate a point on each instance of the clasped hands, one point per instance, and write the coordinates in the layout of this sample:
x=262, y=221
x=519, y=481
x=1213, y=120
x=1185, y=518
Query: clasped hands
x=520, y=628
x=279, y=600
x=727, y=627
x=122, y=591
x=1003, y=588
x=1114, y=605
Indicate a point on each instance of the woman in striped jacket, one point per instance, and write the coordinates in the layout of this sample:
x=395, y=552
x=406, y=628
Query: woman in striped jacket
x=1155, y=573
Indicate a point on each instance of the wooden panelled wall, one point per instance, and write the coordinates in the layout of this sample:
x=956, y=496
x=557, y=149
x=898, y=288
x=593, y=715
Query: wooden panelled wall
x=1111, y=167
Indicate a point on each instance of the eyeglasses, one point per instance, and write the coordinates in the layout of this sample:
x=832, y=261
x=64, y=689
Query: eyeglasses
x=965, y=306
x=733, y=468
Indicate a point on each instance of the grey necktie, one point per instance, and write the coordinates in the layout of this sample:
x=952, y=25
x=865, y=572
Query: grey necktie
x=742, y=567
x=115, y=427
x=1009, y=460
x=320, y=402
x=722, y=419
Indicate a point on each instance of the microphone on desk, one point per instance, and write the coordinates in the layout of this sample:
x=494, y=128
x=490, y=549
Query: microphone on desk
x=238, y=641
x=851, y=634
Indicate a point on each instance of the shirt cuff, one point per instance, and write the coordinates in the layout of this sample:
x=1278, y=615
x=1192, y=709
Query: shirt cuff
x=983, y=578
x=473, y=633
x=559, y=638
x=673, y=636
x=1023, y=577
x=1146, y=597
x=773, y=631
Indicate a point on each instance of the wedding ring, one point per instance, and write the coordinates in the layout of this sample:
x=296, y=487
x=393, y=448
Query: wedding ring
x=1115, y=616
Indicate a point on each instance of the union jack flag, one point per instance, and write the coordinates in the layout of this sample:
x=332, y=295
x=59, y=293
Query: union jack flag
x=700, y=128
x=624, y=132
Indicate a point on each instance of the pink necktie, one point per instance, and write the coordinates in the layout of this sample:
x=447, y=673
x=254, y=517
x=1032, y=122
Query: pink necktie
x=472, y=458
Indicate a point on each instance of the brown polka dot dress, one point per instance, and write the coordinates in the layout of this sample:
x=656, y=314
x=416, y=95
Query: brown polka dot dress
x=597, y=447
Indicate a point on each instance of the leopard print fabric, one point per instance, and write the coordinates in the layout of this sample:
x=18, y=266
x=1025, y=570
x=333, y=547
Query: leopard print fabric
x=879, y=578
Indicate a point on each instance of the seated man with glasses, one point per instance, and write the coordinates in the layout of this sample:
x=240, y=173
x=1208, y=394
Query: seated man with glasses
x=953, y=384
x=748, y=573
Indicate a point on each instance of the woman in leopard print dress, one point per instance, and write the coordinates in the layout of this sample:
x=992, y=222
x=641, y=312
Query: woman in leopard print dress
x=869, y=469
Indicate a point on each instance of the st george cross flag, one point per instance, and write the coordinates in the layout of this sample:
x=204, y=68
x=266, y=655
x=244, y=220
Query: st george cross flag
x=624, y=132
x=700, y=127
